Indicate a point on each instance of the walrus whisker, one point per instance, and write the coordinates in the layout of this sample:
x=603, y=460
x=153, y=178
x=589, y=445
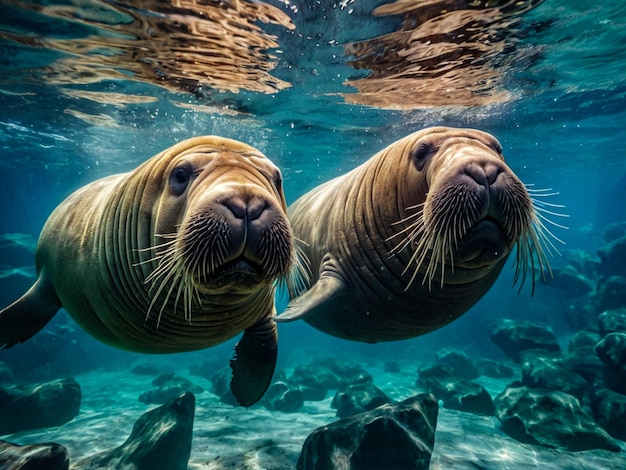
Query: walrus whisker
x=158, y=293
x=404, y=230
x=417, y=257
x=541, y=212
x=160, y=245
x=178, y=273
x=165, y=263
x=160, y=250
x=541, y=231
x=416, y=229
x=410, y=216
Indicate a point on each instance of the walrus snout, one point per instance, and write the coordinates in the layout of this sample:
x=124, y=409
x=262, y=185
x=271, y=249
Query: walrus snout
x=242, y=239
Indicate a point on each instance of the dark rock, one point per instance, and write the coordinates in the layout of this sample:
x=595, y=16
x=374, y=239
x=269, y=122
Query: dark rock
x=513, y=337
x=582, y=313
x=160, y=440
x=612, y=351
x=357, y=398
x=568, y=279
x=582, y=261
x=435, y=370
x=220, y=382
x=494, y=369
x=549, y=418
x=584, y=341
x=398, y=436
x=283, y=397
x=459, y=394
x=609, y=409
x=169, y=386
x=582, y=358
x=612, y=321
x=313, y=392
x=38, y=406
x=460, y=363
x=45, y=456
x=324, y=373
x=539, y=371
x=6, y=374
x=347, y=370
x=610, y=293
x=613, y=257
x=391, y=367
x=315, y=375
x=614, y=231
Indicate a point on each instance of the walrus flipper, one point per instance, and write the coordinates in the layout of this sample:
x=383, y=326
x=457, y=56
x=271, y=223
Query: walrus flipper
x=324, y=290
x=254, y=362
x=29, y=314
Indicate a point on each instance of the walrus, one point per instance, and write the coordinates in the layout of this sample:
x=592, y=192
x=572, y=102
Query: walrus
x=181, y=254
x=411, y=239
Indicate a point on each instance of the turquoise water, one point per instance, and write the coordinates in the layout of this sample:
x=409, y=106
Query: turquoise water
x=90, y=88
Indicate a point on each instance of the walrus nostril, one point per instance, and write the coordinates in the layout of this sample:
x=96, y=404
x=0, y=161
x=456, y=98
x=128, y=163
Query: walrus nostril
x=484, y=174
x=256, y=207
x=237, y=206
x=492, y=170
x=249, y=209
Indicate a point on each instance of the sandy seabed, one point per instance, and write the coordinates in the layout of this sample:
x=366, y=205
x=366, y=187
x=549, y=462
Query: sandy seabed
x=227, y=437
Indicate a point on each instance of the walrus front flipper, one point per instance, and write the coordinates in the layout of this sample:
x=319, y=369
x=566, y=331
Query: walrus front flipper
x=254, y=362
x=28, y=314
x=325, y=289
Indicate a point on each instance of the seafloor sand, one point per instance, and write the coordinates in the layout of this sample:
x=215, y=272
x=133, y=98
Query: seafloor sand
x=227, y=437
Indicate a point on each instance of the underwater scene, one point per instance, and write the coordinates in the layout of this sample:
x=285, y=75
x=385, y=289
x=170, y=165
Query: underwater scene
x=297, y=234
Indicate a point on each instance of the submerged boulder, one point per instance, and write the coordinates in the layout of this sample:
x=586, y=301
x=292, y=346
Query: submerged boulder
x=459, y=363
x=322, y=374
x=514, y=337
x=357, y=398
x=220, y=382
x=168, y=386
x=26, y=407
x=540, y=371
x=613, y=257
x=614, y=231
x=569, y=280
x=611, y=293
x=612, y=351
x=549, y=418
x=45, y=456
x=494, y=369
x=160, y=440
x=581, y=356
x=609, y=409
x=400, y=435
x=459, y=394
x=612, y=321
x=284, y=397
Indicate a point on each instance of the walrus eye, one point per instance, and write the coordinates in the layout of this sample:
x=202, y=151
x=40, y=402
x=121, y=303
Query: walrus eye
x=278, y=178
x=420, y=154
x=179, y=180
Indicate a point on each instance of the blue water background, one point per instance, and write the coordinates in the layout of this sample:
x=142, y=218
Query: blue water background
x=564, y=129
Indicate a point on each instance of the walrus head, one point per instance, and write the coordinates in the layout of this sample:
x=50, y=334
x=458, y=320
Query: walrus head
x=220, y=226
x=466, y=210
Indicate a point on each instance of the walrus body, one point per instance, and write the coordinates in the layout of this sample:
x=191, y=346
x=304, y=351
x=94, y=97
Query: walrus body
x=410, y=240
x=180, y=254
